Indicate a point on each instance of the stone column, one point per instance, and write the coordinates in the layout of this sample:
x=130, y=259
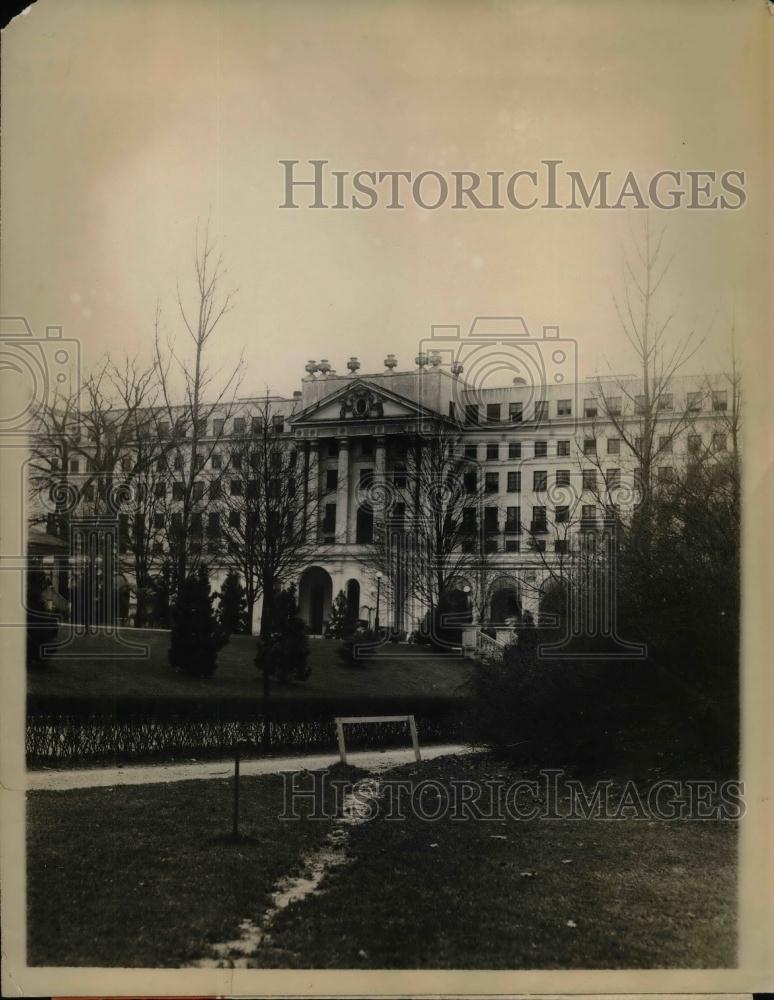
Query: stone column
x=342, y=494
x=311, y=489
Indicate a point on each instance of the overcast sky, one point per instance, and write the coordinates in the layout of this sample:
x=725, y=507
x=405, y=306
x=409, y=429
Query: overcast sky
x=126, y=122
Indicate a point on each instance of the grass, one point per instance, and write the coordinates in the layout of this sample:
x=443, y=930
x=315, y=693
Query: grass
x=134, y=876
x=146, y=876
x=418, y=894
x=90, y=668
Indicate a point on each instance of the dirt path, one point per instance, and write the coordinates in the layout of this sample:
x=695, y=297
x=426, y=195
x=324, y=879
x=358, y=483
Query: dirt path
x=109, y=777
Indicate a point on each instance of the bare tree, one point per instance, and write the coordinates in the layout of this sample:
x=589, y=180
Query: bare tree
x=270, y=516
x=196, y=427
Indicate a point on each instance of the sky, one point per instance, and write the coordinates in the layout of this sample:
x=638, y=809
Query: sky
x=127, y=124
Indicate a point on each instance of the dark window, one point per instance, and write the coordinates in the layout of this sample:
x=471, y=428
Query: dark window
x=234, y=519
x=178, y=463
x=331, y=479
x=665, y=401
x=590, y=446
x=614, y=446
x=560, y=546
x=239, y=425
x=513, y=520
x=512, y=545
x=515, y=412
x=589, y=479
x=160, y=491
x=539, y=519
x=468, y=521
x=236, y=487
x=665, y=444
x=366, y=448
x=640, y=404
x=613, y=478
x=514, y=449
x=471, y=413
x=196, y=525
x=562, y=477
x=470, y=482
x=590, y=407
x=539, y=544
x=541, y=410
x=720, y=400
x=666, y=473
x=217, y=426
x=278, y=423
x=163, y=430
x=178, y=491
x=493, y=413
x=216, y=461
x=514, y=482
x=490, y=519
x=541, y=449
x=333, y=449
x=694, y=444
x=563, y=448
x=694, y=401
x=399, y=477
x=158, y=521
x=75, y=465
x=718, y=442
x=471, y=451
x=613, y=405
x=492, y=482
x=564, y=408
x=364, y=530
x=492, y=451
x=366, y=478
x=539, y=480
x=490, y=543
x=562, y=514
x=329, y=519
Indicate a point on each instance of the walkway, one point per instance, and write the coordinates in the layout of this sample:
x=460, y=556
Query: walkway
x=154, y=774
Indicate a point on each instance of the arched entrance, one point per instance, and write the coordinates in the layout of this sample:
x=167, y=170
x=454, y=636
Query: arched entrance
x=353, y=598
x=504, y=603
x=315, y=591
x=453, y=612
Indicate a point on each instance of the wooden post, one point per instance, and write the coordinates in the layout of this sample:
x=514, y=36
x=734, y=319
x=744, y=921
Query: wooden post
x=236, y=793
x=340, y=738
x=414, y=738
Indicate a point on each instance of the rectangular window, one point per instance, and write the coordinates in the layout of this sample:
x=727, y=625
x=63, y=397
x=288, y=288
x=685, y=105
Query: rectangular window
x=490, y=544
x=614, y=446
x=562, y=477
x=234, y=519
x=492, y=451
x=541, y=449
x=589, y=479
x=471, y=451
x=512, y=545
x=471, y=413
x=513, y=520
x=640, y=404
x=665, y=444
x=539, y=480
x=366, y=478
x=333, y=449
x=492, y=482
x=196, y=524
x=198, y=490
x=239, y=425
x=160, y=490
x=515, y=412
x=588, y=513
x=75, y=465
x=88, y=493
x=213, y=524
x=720, y=400
x=613, y=478
x=614, y=405
x=493, y=413
x=562, y=514
x=541, y=410
x=694, y=444
x=718, y=442
x=364, y=526
x=277, y=423
x=694, y=401
x=538, y=544
x=367, y=448
x=560, y=546
x=666, y=474
x=256, y=424
x=331, y=479
x=178, y=491
x=563, y=448
x=638, y=445
x=490, y=520
x=217, y=426
x=468, y=521
x=236, y=460
x=236, y=487
x=539, y=522
x=589, y=446
x=514, y=449
x=216, y=461
x=590, y=407
x=329, y=519
x=470, y=482
x=215, y=489
x=400, y=477
x=514, y=482
x=665, y=401
x=201, y=427
x=564, y=408
x=163, y=430
x=178, y=463
x=158, y=521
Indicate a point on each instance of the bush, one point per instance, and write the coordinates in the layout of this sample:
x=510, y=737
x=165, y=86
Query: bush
x=349, y=653
x=284, y=652
x=232, y=612
x=196, y=633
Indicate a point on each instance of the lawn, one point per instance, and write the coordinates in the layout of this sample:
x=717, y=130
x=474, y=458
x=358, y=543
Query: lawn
x=147, y=876
x=134, y=876
x=90, y=667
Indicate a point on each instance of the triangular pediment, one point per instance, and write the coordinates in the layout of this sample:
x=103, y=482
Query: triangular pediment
x=362, y=401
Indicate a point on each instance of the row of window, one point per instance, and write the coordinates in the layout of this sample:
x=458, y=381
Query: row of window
x=593, y=407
